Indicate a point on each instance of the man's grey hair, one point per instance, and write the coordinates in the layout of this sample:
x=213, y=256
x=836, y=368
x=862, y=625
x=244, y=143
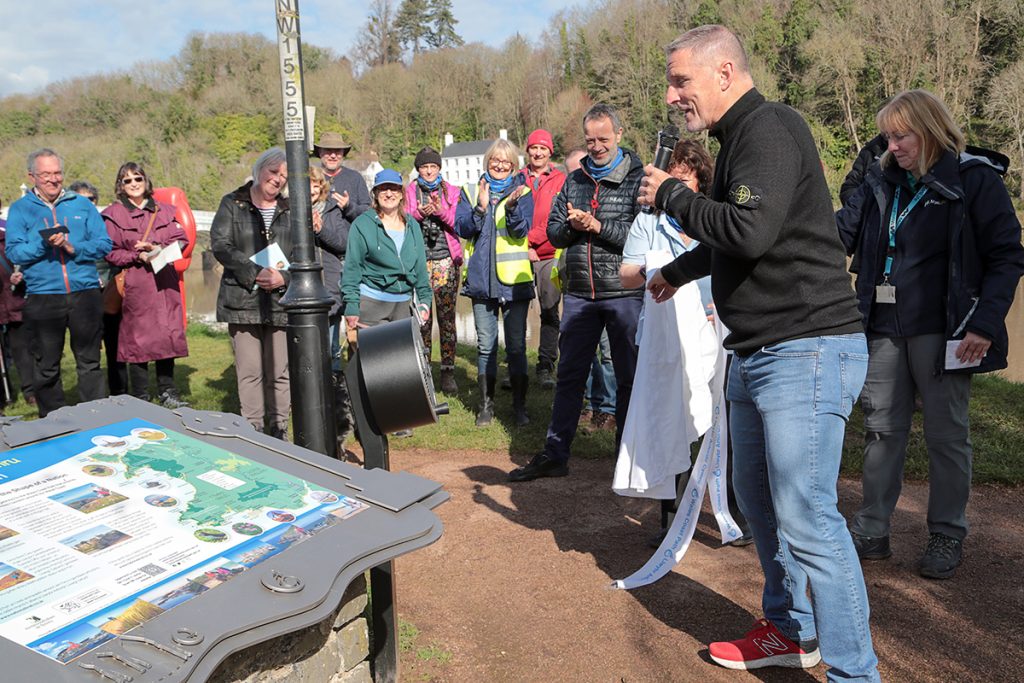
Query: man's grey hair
x=269, y=159
x=43, y=152
x=710, y=41
x=603, y=111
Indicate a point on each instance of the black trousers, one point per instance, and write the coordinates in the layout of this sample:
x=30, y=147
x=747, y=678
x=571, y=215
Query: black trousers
x=117, y=373
x=49, y=317
x=19, y=344
x=138, y=374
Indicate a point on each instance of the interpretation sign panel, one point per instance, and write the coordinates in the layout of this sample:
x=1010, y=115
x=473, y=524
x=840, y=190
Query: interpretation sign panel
x=105, y=529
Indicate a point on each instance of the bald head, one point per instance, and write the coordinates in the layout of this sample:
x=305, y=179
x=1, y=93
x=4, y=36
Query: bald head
x=711, y=45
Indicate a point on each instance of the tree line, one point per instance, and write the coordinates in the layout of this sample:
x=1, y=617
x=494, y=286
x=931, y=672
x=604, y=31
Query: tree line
x=198, y=119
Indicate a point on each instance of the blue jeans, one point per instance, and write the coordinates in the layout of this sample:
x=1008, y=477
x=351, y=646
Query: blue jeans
x=789, y=406
x=600, y=396
x=485, y=318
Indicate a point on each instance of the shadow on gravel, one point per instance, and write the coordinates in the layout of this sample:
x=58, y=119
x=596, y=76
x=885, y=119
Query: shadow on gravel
x=586, y=517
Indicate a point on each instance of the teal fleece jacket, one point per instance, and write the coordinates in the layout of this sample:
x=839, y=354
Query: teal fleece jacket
x=48, y=269
x=371, y=258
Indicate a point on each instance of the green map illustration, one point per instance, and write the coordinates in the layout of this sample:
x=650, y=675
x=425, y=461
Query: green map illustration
x=186, y=459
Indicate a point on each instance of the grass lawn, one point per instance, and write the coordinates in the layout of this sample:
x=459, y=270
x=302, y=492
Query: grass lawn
x=207, y=379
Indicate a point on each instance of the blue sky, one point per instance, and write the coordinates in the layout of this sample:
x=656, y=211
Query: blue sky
x=63, y=39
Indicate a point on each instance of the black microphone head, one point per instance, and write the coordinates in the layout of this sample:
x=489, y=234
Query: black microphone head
x=668, y=136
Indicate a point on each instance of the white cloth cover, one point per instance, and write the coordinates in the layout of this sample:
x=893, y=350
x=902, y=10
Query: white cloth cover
x=671, y=404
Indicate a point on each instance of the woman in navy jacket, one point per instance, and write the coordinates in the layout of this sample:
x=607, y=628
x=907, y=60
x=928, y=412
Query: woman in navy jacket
x=937, y=253
x=494, y=216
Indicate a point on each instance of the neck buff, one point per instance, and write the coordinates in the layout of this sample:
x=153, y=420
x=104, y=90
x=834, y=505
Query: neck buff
x=674, y=223
x=599, y=172
x=429, y=187
x=498, y=187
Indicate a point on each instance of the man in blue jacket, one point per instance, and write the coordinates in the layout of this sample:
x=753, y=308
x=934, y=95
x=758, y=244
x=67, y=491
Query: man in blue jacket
x=56, y=237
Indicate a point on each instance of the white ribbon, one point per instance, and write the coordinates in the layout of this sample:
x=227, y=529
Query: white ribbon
x=711, y=463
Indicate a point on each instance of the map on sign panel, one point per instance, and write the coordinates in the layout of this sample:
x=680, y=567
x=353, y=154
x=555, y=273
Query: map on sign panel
x=106, y=529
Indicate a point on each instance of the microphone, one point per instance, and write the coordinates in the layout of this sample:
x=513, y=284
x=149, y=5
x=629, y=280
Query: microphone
x=668, y=137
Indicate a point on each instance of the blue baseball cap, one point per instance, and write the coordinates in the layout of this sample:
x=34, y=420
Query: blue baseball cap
x=387, y=177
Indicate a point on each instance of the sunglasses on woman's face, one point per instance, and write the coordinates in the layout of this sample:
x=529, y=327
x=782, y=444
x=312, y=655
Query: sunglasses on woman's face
x=133, y=179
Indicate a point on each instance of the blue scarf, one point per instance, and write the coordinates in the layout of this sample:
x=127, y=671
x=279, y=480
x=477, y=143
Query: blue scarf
x=599, y=172
x=498, y=187
x=429, y=187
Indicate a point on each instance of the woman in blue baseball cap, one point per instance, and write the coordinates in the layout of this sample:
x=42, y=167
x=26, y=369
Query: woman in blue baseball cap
x=385, y=276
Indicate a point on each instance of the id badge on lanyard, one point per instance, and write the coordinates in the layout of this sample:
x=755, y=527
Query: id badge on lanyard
x=885, y=293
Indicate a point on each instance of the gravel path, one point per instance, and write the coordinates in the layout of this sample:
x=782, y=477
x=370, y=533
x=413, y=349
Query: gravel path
x=516, y=589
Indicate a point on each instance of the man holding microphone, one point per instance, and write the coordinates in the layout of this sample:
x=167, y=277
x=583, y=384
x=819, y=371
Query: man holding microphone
x=768, y=239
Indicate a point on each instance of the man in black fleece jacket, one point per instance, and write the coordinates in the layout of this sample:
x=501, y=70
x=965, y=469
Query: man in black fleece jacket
x=767, y=237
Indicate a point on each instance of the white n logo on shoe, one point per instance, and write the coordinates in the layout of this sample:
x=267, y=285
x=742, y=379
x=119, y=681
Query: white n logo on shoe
x=772, y=644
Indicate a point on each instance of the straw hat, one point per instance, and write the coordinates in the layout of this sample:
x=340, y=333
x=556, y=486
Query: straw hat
x=331, y=141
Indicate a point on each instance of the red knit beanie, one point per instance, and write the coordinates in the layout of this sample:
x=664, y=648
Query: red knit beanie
x=540, y=137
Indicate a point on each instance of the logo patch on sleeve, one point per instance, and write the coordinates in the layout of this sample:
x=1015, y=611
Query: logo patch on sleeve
x=745, y=195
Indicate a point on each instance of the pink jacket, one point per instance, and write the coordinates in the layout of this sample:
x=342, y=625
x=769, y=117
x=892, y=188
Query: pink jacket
x=449, y=200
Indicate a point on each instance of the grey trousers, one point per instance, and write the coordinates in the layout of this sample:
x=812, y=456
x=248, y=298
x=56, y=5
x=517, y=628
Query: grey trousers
x=261, y=364
x=896, y=368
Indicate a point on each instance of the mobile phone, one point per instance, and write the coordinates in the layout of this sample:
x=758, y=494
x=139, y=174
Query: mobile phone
x=47, y=233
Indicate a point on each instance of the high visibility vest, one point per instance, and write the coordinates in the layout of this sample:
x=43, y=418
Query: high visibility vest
x=511, y=254
x=555, y=275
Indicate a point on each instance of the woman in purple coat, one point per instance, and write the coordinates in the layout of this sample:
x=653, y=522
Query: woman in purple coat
x=152, y=327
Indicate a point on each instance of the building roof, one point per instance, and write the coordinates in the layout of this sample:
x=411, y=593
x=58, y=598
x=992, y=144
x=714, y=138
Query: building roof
x=467, y=149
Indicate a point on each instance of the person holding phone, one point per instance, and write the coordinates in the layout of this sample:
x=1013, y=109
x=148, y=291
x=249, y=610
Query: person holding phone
x=56, y=237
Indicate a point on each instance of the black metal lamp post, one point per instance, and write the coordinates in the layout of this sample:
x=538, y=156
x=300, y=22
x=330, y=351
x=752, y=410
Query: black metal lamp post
x=307, y=300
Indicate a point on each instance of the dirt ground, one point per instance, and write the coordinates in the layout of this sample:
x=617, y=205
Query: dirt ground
x=517, y=587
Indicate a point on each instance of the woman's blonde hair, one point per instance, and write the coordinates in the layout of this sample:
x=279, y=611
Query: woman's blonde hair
x=317, y=177
x=922, y=113
x=502, y=148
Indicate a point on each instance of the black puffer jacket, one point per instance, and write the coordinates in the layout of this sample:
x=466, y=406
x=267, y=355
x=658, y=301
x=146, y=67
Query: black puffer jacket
x=236, y=234
x=592, y=261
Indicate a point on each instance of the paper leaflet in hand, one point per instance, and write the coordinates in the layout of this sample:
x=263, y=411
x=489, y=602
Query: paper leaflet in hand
x=271, y=257
x=168, y=254
x=954, y=363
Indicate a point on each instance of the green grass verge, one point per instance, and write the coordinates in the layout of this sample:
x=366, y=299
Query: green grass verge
x=207, y=379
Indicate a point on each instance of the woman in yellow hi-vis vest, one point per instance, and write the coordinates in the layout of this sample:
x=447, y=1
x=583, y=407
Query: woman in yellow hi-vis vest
x=494, y=217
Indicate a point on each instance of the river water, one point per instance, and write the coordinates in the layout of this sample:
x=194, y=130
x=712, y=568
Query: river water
x=201, y=289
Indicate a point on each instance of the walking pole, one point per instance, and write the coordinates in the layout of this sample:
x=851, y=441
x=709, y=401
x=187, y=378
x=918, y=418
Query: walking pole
x=3, y=367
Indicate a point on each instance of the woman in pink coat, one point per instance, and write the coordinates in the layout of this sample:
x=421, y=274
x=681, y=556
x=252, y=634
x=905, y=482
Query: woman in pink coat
x=431, y=201
x=152, y=327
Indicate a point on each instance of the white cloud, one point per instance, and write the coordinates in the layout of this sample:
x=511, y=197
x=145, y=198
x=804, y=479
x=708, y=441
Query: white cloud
x=74, y=38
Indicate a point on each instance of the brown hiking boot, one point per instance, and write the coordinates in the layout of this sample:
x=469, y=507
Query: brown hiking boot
x=603, y=422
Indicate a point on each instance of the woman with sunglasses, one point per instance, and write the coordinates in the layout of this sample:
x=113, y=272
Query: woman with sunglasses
x=152, y=327
x=495, y=216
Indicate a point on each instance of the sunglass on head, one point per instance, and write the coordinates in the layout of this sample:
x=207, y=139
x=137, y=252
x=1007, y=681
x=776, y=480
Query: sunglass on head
x=133, y=179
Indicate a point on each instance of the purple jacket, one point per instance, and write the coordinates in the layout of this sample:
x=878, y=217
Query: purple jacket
x=449, y=201
x=152, y=325
x=11, y=300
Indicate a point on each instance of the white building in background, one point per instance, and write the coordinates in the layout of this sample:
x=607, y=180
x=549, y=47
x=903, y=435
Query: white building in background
x=368, y=167
x=463, y=162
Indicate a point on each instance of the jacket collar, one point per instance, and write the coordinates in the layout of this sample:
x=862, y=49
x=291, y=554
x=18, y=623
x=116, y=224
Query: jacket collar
x=150, y=205
x=242, y=195
x=750, y=101
x=943, y=177
x=629, y=162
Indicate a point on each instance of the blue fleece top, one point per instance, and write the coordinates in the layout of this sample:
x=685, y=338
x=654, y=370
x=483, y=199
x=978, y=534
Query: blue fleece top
x=48, y=269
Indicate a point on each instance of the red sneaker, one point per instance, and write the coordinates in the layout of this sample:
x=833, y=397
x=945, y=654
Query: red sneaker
x=764, y=645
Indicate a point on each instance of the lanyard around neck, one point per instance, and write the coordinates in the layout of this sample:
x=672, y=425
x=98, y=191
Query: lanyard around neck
x=896, y=220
